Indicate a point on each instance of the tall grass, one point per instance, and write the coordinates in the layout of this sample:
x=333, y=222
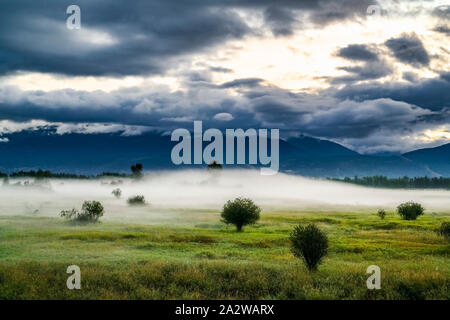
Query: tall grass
x=124, y=261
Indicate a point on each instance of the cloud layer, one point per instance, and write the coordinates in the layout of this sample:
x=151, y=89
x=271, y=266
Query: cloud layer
x=381, y=90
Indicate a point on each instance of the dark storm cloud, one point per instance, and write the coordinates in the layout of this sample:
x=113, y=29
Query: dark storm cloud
x=410, y=76
x=351, y=119
x=248, y=82
x=333, y=11
x=327, y=117
x=358, y=52
x=269, y=110
x=146, y=36
x=372, y=67
x=256, y=105
x=442, y=12
x=220, y=70
x=368, y=71
x=367, y=126
x=442, y=29
x=280, y=20
x=142, y=37
x=155, y=106
x=445, y=76
x=433, y=94
x=408, y=48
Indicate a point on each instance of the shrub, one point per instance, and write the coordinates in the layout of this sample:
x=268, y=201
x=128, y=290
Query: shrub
x=136, y=200
x=309, y=244
x=240, y=212
x=382, y=214
x=117, y=193
x=444, y=230
x=410, y=210
x=91, y=211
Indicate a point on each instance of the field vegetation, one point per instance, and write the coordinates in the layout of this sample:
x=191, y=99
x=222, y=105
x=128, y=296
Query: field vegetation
x=210, y=260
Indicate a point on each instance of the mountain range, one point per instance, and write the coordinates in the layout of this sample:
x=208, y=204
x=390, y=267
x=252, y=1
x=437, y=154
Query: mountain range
x=113, y=152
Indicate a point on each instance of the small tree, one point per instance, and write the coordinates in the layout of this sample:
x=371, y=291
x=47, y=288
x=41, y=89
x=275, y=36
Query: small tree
x=410, y=210
x=136, y=170
x=117, y=193
x=136, y=201
x=309, y=244
x=444, y=230
x=214, y=165
x=91, y=211
x=381, y=213
x=240, y=212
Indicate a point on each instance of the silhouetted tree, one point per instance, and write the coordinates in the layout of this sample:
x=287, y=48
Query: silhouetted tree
x=215, y=165
x=404, y=182
x=136, y=170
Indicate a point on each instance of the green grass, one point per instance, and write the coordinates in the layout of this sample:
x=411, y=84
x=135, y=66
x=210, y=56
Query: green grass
x=209, y=260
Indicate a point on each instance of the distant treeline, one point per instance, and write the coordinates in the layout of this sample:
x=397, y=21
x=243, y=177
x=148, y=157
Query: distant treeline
x=42, y=174
x=404, y=183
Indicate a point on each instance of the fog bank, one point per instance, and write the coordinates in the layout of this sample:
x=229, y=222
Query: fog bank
x=170, y=193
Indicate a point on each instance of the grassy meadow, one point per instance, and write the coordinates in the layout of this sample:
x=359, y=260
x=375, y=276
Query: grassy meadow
x=206, y=259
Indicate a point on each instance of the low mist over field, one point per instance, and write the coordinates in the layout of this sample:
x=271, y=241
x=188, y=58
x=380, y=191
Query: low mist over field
x=187, y=195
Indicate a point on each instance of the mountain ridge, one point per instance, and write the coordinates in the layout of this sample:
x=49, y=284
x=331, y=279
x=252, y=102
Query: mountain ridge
x=303, y=155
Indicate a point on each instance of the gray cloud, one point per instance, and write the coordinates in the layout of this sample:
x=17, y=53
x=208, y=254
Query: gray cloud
x=411, y=76
x=249, y=82
x=149, y=36
x=372, y=67
x=433, y=94
x=251, y=105
x=358, y=52
x=333, y=11
x=220, y=70
x=280, y=20
x=116, y=38
x=442, y=12
x=352, y=119
x=370, y=70
x=408, y=48
x=141, y=106
x=443, y=29
x=153, y=36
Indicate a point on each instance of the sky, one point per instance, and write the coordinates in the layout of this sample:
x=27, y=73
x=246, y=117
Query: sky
x=371, y=75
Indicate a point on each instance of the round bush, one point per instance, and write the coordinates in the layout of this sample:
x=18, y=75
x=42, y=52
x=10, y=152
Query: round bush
x=410, y=210
x=444, y=230
x=240, y=212
x=136, y=201
x=92, y=210
x=309, y=244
